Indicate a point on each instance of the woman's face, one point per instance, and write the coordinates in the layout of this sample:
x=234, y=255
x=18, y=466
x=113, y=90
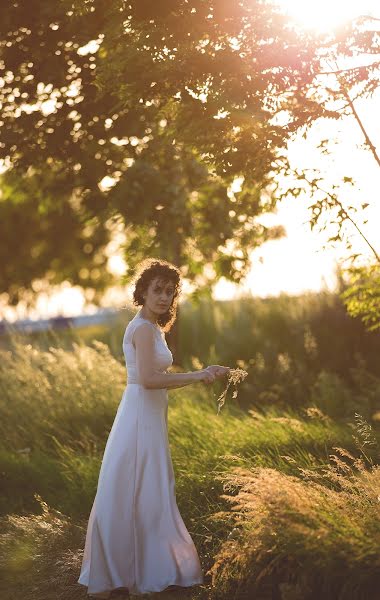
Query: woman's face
x=159, y=295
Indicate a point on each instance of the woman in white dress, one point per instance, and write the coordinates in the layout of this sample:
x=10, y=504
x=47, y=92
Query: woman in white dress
x=136, y=540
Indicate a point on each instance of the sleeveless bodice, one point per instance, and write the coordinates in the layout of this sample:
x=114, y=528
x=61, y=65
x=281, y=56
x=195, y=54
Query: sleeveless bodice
x=163, y=357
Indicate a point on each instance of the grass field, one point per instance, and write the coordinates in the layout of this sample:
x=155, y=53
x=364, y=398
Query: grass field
x=281, y=503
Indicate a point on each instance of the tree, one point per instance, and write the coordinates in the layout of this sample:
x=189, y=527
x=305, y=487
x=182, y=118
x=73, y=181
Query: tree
x=173, y=121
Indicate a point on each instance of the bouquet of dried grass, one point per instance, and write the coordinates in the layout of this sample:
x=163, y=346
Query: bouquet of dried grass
x=234, y=377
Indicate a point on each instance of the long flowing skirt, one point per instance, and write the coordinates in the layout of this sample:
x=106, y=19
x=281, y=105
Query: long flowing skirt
x=136, y=537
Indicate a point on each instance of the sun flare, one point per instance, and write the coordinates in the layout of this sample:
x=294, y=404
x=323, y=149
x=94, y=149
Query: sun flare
x=326, y=15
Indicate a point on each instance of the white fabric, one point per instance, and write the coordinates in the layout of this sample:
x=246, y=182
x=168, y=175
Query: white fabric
x=136, y=537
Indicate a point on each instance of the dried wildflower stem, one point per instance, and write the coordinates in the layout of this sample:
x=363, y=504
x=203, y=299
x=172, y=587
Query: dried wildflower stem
x=235, y=376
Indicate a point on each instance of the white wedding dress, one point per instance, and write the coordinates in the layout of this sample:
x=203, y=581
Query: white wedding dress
x=136, y=537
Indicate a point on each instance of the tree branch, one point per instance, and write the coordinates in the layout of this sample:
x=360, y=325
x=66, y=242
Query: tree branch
x=348, y=217
x=368, y=141
x=350, y=69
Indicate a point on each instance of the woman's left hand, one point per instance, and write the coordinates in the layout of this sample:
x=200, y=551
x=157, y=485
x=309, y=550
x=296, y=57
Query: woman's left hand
x=218, y=370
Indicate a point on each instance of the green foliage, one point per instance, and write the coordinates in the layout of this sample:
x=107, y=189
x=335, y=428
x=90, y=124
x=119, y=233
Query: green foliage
x=290, y=346
x=172, y=102
x=362, y=294
x=137, y=117
x=46, y=238
x=332, y=395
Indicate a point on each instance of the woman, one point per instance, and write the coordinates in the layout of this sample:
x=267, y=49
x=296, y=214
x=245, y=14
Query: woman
x=136, y=539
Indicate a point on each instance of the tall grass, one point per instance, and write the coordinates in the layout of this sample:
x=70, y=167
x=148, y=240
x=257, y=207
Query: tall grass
x=50, y=401
x=57, y=394
x=316, y=535
x=281, y=501
x=40, y=556
x=57, y=408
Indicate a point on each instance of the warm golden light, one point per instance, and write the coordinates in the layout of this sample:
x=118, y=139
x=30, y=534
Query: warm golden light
x=326, y=15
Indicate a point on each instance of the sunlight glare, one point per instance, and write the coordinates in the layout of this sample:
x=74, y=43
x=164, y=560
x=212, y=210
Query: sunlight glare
x=325, y=15
x=117, y=265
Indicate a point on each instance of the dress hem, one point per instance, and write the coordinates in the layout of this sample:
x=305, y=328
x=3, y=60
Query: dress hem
x=106, y=593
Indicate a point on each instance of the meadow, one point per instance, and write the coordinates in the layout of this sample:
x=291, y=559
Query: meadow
x=280, y=491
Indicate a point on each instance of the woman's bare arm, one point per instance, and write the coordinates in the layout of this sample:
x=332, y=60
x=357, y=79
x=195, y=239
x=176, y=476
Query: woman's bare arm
x=149, y=377
x=173, y=386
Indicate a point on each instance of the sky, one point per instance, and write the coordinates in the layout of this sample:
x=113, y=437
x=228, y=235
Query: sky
x=303, y=260
x=298, y=262
x=327, y=14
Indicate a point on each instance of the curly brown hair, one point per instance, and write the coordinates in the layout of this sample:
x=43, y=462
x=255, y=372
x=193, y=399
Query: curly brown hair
x=149, y=269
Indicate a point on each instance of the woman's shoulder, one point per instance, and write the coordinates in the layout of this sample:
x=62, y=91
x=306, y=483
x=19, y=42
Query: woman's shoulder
x=137, y=322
